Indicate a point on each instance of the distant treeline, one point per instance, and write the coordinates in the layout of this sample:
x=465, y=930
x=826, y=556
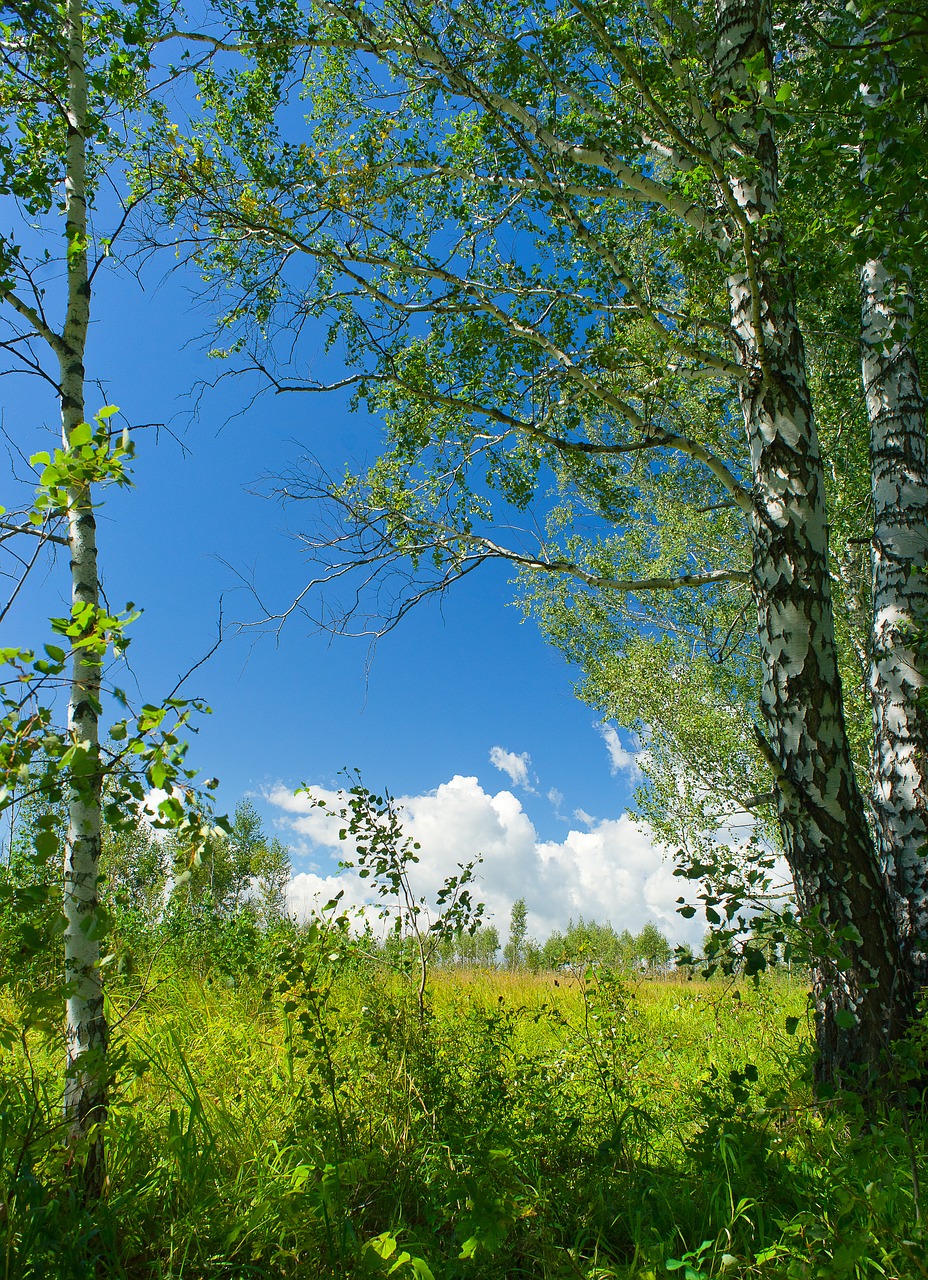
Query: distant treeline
x=582, y=942
x=230, y=904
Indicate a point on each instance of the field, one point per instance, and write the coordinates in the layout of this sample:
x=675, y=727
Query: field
x=320, y=1124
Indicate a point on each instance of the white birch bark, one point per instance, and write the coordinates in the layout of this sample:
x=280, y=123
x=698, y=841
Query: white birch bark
x=896, y=411
x=836, y=870
x=899, y=469
x=86, y=1031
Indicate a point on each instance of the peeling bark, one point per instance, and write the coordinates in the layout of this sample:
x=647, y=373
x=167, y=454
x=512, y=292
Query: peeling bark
x=864, y=1000
x=86, y=1030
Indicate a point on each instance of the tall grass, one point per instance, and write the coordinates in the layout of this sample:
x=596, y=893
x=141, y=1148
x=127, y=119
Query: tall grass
x=319, y=1125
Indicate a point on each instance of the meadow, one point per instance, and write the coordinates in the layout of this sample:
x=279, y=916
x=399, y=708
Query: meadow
x=308, y=1119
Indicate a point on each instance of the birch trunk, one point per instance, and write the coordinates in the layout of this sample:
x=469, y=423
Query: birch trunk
x=864, y=999
x=899, y=469
x=86, y=1030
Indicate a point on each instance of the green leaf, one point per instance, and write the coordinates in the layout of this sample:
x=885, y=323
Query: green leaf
x=46, y=845
x=383, y=1245
x=80, y=435
x=845, y=1019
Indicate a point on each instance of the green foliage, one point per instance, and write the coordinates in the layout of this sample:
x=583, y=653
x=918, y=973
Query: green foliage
x=479, y=947
x=31, y=961
x=272, y=873
x=235, y=868
x=42, y=762
x=134, y=870
x=34, y=86
x=308, y=1123
x=514, y=952
x=383, y=854
x=523, y=246
x=588, y=942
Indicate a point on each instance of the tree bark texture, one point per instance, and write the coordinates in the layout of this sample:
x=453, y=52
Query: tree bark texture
x=864, y=999
x=899, y=471
x=86, y=1030
x=899, y=550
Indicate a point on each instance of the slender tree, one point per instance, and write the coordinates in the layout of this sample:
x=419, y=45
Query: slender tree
x=518, y=930
x=45, y=62
x=73, y=85
x=273, y=871
x=653, y=947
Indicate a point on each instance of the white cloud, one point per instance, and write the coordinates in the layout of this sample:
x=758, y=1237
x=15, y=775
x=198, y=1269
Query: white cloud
x=515, y=766
x=311, y=819
x=153, y=797
x=614, y=872
x=308, y=893
x=619, y=757
x=556, y=800
x=611, y=871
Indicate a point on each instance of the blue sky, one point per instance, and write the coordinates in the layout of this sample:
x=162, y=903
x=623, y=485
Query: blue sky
x=454, y=688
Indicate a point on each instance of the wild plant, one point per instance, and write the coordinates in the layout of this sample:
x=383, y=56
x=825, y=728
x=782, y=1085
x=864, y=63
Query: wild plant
x=385, y=855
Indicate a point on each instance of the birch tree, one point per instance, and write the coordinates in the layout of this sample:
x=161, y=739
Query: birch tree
x=896, y=410
x=557, y=253
x=73, y=81
x=46, y=100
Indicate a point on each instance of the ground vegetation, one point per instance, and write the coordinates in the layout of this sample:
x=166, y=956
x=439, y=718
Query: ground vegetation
x=285, y=1110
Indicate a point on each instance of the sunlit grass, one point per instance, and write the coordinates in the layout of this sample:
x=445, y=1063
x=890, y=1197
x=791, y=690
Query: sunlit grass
x=563, y=1124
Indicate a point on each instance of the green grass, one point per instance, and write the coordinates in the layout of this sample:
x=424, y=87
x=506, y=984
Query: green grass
x=549, y=1126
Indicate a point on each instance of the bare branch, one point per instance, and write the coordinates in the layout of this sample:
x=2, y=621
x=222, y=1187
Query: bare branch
x=43, y=330
x=11, y=531
x=715, y=577
x=21, y=582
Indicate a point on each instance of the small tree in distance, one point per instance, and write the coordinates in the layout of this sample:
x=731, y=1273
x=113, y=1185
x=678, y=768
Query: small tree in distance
x=514, y=951
x=652, y=947
x=273, y=875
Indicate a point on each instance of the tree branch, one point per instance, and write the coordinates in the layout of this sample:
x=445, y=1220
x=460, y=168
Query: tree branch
x=11, y=530
x=43, y=330
x=714, y=577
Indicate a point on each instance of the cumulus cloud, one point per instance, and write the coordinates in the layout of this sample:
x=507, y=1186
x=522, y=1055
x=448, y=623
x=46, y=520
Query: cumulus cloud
x=619, y=757
x=611, y=871
x=308, y=893
x=307, y=816
x=516, y=767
